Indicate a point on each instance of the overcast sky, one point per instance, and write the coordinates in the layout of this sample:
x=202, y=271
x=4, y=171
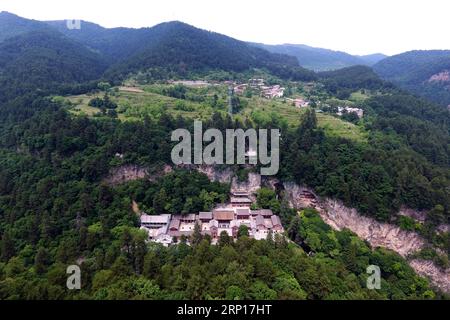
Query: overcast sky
x=354, y=26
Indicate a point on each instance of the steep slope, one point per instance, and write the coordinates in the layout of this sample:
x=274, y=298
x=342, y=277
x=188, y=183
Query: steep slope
x=114, y=44
x=44, y=60
x=319, y=59
x=180, y=48
x=12, y=25
x=36, y=55
x=378, y=234
x=371, y=59
x=344, y=81
x=425, y=73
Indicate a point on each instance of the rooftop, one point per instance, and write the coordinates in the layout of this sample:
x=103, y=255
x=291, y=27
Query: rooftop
x=266, y=212
x=188, y=217
x=175, y=223
x=205, y=215
x=276, y=221
x=223, y=215
x=259, y=220
x=263, y=212
x=240, y=200
x=243, y=212
x=160, y=219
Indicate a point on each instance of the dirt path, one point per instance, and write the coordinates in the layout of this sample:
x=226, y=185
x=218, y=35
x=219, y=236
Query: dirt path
x=131, y=89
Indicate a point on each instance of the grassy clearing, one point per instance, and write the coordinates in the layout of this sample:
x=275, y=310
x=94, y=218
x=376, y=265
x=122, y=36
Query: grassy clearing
x=136, y=104
x=338, y=128
x=81, y=105
x=333, y=126
x=359, y=96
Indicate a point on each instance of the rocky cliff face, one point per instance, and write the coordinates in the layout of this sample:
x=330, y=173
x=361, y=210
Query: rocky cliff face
x=419, y=216
x=131, y=172
x=223, y=176
x=333, y=212
x=252, y=185
x=126, y=173
x=338, y=216
x=378, y=234
x=439, y=277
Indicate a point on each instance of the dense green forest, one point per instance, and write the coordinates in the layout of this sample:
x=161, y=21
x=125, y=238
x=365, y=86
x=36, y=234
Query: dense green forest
x=82, y=218
x=413, y=71
x=56, y=208
x=181, y=49
x=12, y=25
x=50, y=57
x=341, y=83
x=122, y=266
x=44, y=61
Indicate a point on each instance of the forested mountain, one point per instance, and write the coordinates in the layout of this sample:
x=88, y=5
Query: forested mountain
x=172, y=47
x=58, y=208
x=181, y=48
x=165, y=46
x=344, y=81
x=12, y=25
x=38, y=55
x=319, y=59
x=43, y=60
x=114, y=44
x=371, y=59
x=425, y=73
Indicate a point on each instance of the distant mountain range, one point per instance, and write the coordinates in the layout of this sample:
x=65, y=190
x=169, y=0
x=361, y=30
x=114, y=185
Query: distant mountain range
x=39, y=55
x=319, y=59
x=175, y=48
x=425, y=73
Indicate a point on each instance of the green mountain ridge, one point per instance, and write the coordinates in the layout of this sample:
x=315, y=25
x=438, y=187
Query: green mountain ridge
x=58, y=209
x=115, y=44
x=43, y=60
x=319, y=59
x=165, y=45
x=12, y=25
x=412, y=71
x=181, y=48
x=55, y=55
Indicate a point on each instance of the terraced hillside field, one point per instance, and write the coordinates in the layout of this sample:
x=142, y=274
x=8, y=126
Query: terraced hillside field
x=134, y=103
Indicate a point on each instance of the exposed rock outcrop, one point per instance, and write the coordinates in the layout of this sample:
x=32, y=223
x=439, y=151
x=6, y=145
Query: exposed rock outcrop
x=126, y=173
x=223, y=176
x=132, y=172
x=338, y=216
x=419, y=216
x=252, y=184
x=443, y=228
x=378, y=234
x=443, y=76
x=428, y=269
